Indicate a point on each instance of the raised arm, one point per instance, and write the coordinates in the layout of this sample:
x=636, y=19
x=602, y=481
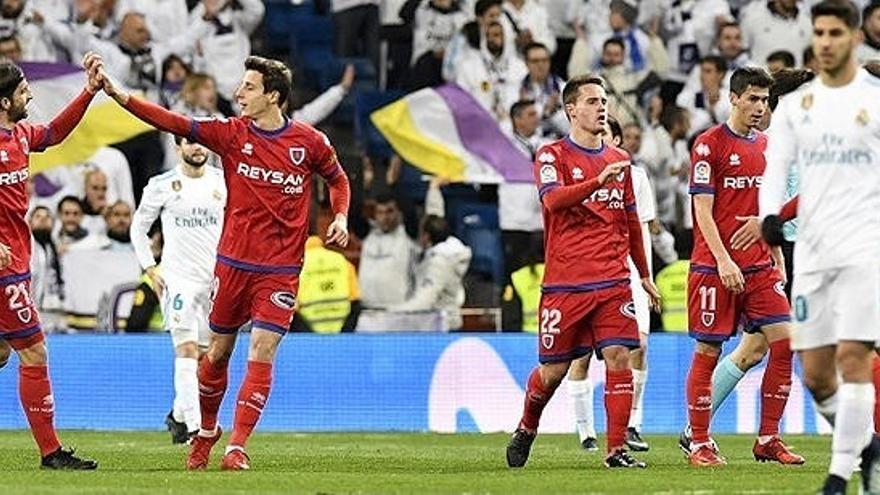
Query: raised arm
x=66, y=121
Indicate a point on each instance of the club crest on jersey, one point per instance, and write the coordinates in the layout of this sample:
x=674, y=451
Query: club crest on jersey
x=177, y=186
x=702, y=149
x=547, y=340
x=779, y=287
x=628, y=310
x=702, y=172
x=708, y=318
x=863, y=118
x=548, y=174
x=25, y=315
x=284, y=300
x=807, y=101
x=577, y=173
x=297, y=154
x=735, y=160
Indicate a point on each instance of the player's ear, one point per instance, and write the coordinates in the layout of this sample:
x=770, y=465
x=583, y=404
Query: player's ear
x=5, y=103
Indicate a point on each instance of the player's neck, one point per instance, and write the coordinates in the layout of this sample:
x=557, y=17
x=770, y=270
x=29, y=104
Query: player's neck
x=585, y=139
x=5, y=123
x=192, y=172
x=742, y=130
x=270, y=120
x=841, y=77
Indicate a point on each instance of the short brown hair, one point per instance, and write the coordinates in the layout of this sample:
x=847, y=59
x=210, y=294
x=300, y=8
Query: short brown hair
x=276, y=76
x=744, y=77
x=10, y=77
x=573, y=87
x=844, y=10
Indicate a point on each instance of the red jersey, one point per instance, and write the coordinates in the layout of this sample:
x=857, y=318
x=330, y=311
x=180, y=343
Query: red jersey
x=730, y=167
x=586, y=246
x=269, y=179
x=15, y=148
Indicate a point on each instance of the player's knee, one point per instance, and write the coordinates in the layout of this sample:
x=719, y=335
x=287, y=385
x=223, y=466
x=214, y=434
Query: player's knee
x=34, y=355
x=820, y=383
x=854, y=362
x=552, y=374
x=616, y=357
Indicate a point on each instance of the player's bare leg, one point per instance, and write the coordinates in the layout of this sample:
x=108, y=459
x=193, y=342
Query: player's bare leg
x=542, y=383
x=618, y=405
x=699, y=399
x=252, y=396
x=638, y=361
x=580, y=388
x=213, y=380
x=35, y=393
x=775, y=388
x=185, y=417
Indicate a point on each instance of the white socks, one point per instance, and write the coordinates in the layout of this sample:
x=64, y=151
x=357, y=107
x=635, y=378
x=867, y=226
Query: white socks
x=581, y=392
x=186, y=393
x=855, y=416
x=635, y=416
x=828, y=407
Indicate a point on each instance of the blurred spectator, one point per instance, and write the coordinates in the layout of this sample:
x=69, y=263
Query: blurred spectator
x=562, y=28
x=47, y=285
x=776, y=25
x=519, y=209
x=487, y=74
x=622, y=84
x=590, y=19
x=198, y=96
x=543, y=88
x=71, y=179
x=70, y=214
x=521, y=299
x=780, y=59
x=23, y=20
x=710, y=104
x=315, y=111
x=690, y=28
x=165, y=18
x=116, y=233
x=672, y=159
x=466, y=44
x=10, y=48
x=174, y=73
x=869, y=49
x=356, y=27
x=439, y=276
x=530, y=24
x=328, y=299
x=88, y=17
x=436, y=23
x=95, y=202
x=810, y=60
x=223, y=51
x=729, y=46
x=388, y=257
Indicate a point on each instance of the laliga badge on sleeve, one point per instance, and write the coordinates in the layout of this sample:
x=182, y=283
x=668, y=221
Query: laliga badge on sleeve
x=702, y=172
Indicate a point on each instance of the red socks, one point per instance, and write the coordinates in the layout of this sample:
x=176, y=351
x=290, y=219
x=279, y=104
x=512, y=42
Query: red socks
x=252, y=399
x=213, y=379
x=876, y=379
x=536, y=398
x=699, y=395
x=618, y=404
x=775, y=387
x=35, y=393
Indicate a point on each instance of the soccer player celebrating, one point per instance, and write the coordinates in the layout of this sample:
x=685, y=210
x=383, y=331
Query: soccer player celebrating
x=830, y=129
x=19, y=321
x=190, y=199
x=727, y=285
x=268, y=163
x=591, y=228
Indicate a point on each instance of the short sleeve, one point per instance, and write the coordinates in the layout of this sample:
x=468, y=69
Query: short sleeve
x=703, y=167
x=546, y=169
x=326, y=163
x=215, y=133
x=644, y=195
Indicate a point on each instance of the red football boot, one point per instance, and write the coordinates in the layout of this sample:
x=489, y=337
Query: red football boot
x=235, y=460
x=705, y=456
x=200, y=450
x=776, y=450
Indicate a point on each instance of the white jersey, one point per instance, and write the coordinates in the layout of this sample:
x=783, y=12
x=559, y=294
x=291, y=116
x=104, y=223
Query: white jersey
x=646, y=207
x=832, y=136
x=192, y=217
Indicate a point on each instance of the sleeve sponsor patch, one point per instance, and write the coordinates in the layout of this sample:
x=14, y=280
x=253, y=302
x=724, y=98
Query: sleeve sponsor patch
x=702, y=149
x=546, y=157
x=548, y=174
x=702, y=172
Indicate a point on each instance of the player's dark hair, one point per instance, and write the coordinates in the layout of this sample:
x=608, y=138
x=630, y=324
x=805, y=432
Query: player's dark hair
x=716, y=60
x=437, y=229
x=70, y=199
x=844, y=10
x=787, y=80
x=744, y=77
x=385, y=198
x=613, y=41
x=10, y=77
x=573, y=88
x=483, y=6
x=517, y=108
x=276, y=76
x=671, y=115
x=873, y=67
x=534, y=46
x=38, y=208
x=725, y=25
x=614, y=127
x=783, y=56
x=869, y=9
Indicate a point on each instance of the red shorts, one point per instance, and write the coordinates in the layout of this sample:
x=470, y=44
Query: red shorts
x=573, y=323
x=714, y=313
x=239, y=296
x=19, y=319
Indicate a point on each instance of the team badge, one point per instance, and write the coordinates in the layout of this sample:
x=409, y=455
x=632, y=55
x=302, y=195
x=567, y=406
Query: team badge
x=734, y=160
x=547, y=340
x=702, y=149
x=297, y=154
x=628, y=310
x=284, y=300
x=863, y=118
x=807, y=101
x=217, y=195
x=485, y=86
x=779, y=287
x=577, y=173
x=176, y=185
x=548, y=174
x=25, y=315
x=707, y=318
x=702, y=172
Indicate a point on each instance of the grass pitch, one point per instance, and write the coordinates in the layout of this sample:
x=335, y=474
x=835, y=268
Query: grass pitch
x=146, y=463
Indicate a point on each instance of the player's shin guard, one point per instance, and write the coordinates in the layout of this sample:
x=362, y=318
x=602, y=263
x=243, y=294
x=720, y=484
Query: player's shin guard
x=581, y=392
x=213, y=379
x=852, y=427
x=876, y=380
x=775, y=387
x=699, y=396
x=724, y=381
x=537, y=397
x=639, y=379
x=618, y=404
x=35, y=393
x=252, y=399
x=186, y=392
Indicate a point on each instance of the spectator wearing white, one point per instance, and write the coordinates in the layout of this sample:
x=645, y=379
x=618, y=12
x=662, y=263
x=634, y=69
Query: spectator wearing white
x=165, y=18
x=560, y=20
x=488, y=73
x=468, y=40
x=110, y=161
x=710, y=103
x=95, y=17
x=542, y=87
x=94, y=202
x=774, y=25
x=671, y=161
x=519, y=208
x=356, y=28
x=728, y=46
x=321, y=107
x=590, y=20
x=70, y=215
x=690, y=28
x=436, y=23
x=530, y=23
x=388, y=257
x=229, y=26
x=869, y=49
x=115, y=236
x=643, y=52
x=47, y=286
x=622, y=83
x=23, y=19
x=439, y=277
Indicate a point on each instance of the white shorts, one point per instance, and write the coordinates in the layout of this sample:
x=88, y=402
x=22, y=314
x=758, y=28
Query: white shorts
x=643, y=307
x=834, y=305
x=185, y=308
